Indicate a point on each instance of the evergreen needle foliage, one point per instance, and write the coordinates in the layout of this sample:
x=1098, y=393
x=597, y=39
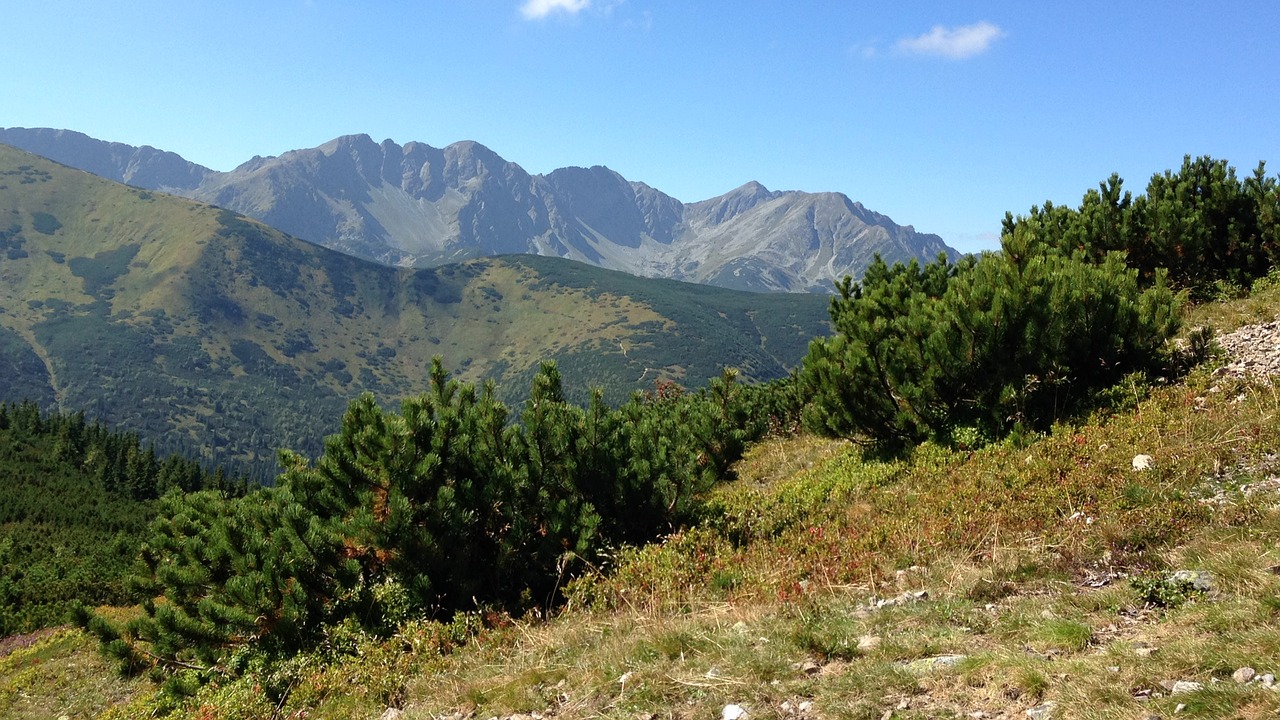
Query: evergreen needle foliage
x=957, y=352
x=1075, y=300
x=1207, y=227
x=76, y=500
x=436, y=509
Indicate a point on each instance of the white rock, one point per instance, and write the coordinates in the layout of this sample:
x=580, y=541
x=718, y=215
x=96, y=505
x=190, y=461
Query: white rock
x=1043, y=711
x=1141, y=462
x=1181, y=687
x=929, y=664
x=1243, y=675
x=1197, y=579
x=733, y=712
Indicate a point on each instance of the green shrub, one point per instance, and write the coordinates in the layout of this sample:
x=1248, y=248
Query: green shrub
x=45, y=223
x=1214, y=232
x=1165, y=591
x=435, y=509
x=962, y=353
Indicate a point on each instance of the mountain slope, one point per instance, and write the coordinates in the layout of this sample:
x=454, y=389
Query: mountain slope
x=415, y=205
x=1041, y=579
x=222, y=338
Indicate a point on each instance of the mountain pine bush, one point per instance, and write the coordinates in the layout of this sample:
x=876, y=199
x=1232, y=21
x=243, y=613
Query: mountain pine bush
x=973, y=350
x=1209, y=228
x=439, y=508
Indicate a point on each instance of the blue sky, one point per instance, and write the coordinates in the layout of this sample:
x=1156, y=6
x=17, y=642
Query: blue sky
x=942, y=115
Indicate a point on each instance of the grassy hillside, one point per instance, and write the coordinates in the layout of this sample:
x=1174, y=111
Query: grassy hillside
x=219, y=337
x=823, y=584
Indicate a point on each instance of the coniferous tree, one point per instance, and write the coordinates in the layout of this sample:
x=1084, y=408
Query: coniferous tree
x=869, y=374
x=70, y=517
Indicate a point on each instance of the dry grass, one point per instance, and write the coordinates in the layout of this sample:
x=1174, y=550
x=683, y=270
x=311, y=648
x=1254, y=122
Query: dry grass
x=1260, y=306
x=61, y=675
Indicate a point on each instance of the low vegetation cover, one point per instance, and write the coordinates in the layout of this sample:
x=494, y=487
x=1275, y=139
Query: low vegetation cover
x=995, y=406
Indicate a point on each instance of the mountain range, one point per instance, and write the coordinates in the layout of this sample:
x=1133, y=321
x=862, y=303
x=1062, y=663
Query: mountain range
x=414, y=205
x=218, y=336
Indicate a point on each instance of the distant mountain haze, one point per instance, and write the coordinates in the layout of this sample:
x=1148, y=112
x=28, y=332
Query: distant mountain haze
x=415, y=205
x=144, y=167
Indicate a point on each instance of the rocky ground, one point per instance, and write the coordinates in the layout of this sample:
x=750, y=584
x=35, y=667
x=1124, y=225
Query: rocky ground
x=1253, y=350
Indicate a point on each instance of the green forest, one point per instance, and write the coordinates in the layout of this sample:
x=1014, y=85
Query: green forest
x=457, y=508
x=78, y=499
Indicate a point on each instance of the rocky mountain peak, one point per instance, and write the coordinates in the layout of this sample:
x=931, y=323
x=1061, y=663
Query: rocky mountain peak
x=735, y=202
x=419, y=205
x=358, y=142
x=469, y=160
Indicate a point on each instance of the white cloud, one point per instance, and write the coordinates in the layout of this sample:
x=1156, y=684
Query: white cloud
x=956, y=43
x=534, y=9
